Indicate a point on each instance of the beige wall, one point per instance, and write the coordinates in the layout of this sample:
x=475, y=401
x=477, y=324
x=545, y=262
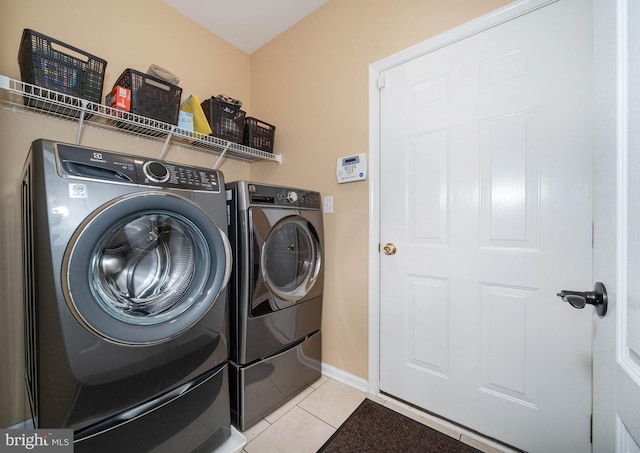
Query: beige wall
x=311, y=82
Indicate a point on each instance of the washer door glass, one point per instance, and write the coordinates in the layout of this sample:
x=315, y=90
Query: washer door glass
x=291, y=258
x=144, y=268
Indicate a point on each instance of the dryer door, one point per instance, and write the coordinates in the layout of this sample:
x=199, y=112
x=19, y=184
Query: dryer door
x=290, y=254
x=144, y=268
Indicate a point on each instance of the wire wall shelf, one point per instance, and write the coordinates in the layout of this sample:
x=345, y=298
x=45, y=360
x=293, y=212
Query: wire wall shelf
x=23, y=97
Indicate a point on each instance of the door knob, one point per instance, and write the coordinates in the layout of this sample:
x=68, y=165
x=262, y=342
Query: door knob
x=390, y=249
x=597, y=298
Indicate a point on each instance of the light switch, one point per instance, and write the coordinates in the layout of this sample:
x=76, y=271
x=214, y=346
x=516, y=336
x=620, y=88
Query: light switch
x=328, y=204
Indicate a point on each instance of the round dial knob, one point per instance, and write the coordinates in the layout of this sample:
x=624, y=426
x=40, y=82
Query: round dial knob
x=292, y=196
x=156, y=171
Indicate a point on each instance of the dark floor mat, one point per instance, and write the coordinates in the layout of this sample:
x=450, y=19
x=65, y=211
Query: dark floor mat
x=375, y=428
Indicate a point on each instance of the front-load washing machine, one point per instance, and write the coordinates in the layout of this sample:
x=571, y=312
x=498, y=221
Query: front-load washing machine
x=125, y=288
x=276, y=296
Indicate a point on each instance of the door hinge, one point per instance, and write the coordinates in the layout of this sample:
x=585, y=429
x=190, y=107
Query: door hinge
x=380, y=83
x=591, y=429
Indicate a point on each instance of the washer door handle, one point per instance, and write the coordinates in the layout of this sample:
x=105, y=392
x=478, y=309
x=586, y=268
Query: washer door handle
x=228, y=259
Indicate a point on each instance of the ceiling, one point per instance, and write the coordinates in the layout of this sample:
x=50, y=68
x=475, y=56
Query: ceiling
x=247, y=24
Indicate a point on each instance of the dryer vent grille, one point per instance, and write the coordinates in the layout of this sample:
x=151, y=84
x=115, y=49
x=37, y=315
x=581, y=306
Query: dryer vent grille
x=30, y=320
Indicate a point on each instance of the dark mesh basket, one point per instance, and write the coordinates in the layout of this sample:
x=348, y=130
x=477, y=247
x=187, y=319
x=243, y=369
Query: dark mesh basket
x=48, y=63
x=152, y=97
x=226, y=120
x=258, y=134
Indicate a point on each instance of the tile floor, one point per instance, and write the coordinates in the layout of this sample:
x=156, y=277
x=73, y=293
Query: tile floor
x=306, y=422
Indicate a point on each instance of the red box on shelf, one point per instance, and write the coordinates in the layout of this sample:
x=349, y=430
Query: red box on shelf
x=119, y=98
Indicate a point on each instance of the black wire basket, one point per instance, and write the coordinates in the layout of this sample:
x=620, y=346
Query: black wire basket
x=226, y=120
x=258, y=134
x=52, y=64
x=152, y=97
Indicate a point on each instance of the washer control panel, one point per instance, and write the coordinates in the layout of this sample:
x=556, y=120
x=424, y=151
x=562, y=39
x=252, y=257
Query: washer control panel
x=166, y=174
x=84, y=163
x=283, y=197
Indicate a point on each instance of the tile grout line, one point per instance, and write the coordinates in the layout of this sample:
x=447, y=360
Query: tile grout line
x=323, y=421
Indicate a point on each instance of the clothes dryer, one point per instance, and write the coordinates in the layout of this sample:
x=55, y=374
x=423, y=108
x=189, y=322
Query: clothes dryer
x=276, y=303
x=126, y=267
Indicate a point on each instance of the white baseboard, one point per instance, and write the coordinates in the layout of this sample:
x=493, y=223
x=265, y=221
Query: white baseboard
x=344, y=377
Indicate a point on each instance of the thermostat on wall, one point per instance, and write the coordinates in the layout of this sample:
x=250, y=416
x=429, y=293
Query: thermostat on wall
x=351, y=168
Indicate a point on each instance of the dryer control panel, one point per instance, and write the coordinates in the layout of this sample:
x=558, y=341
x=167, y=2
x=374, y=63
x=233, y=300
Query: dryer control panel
x=85, y=163
x=283, y=197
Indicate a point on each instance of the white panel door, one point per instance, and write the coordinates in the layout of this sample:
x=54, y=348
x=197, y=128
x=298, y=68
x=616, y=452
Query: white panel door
x=485, y=170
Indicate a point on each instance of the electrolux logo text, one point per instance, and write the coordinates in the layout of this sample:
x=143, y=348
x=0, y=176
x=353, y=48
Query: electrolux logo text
x=36, y=440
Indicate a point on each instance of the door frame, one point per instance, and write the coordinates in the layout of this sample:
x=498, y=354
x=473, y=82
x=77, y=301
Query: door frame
x=616, y=377
x=376, y=82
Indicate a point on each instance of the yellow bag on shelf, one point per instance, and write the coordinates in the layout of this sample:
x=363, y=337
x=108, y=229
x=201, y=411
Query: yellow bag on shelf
x=200, y=123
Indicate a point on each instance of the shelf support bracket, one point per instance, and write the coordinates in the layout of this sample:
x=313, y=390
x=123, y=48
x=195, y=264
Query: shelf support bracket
x=83, y=102
x=224, y=151
x=165, y=147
